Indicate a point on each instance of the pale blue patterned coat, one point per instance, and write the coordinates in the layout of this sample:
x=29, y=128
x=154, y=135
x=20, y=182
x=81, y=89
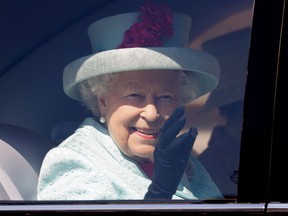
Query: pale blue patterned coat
x=88, y=165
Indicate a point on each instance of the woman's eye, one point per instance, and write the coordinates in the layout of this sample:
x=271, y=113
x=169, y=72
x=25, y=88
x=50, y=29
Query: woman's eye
x=166, y=97
x=134, y=96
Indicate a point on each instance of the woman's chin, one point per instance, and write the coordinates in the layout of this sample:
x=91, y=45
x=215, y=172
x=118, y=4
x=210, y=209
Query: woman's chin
x=143, y=153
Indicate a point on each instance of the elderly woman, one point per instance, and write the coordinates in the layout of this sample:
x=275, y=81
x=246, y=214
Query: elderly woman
x=136, y=83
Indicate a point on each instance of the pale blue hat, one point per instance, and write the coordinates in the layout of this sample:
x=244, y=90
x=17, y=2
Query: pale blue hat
x=105, y=36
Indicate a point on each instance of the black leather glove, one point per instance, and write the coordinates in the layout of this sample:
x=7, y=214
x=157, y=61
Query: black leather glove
x=171, y=156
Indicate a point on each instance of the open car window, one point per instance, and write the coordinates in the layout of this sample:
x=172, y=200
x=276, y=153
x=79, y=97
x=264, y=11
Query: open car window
x=39, y=40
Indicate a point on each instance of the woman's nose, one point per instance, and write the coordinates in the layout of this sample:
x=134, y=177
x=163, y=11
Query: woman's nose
x=150, y=113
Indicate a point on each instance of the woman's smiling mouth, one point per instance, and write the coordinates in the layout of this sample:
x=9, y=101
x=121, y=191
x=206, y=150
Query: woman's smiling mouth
x=146, y=133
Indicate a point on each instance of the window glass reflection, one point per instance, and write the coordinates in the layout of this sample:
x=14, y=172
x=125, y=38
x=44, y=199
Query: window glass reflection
x=163, y=96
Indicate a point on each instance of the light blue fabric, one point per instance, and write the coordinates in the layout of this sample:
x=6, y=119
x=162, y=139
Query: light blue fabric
x=89, y=166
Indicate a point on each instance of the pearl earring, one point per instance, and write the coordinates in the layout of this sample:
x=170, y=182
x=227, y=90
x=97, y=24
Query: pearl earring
x=102, y=119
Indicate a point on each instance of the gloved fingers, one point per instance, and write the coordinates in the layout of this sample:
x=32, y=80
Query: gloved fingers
x=187, y=137
x=171, y=133
x=193, y=132
x=172, y=127
x=180, y=149
x=175, y=115
x=186, y=148
x=177, y=150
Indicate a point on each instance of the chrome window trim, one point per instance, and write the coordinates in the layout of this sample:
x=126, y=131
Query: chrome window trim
x=259, y=207
x=277, y=207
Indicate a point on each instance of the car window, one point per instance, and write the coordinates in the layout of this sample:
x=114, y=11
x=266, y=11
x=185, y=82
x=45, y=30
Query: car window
x=38, y=46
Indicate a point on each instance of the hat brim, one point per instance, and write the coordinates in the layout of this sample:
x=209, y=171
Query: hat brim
x=201, y=65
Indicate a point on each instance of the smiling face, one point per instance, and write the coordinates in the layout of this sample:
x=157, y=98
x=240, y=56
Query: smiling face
x=136, y=107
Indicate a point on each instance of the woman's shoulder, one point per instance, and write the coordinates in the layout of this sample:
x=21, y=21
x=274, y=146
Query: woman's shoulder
x=90, y=143
x=77, y=147
x=87, y=134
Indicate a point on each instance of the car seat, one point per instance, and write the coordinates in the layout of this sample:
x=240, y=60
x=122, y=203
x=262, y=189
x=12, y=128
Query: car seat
x=21, y=154
x=62, y=130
